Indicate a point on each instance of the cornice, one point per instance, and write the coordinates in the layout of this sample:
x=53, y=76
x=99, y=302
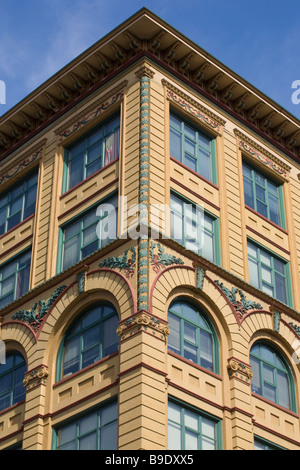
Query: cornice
x=146, y=35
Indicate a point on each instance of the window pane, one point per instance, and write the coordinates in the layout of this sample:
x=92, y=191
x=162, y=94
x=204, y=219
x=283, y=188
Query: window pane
x=253, y=273
x=174, y=336
x=280, y=285
x=174, y=436
x=76, y=171
x=283, y=390
x=205, y=164
x=270, y=392
x=248, y=193
x=110, y=337
x=71, y=356
x=191, y=440
x=30, y=200
x=190, y=333
x=206, y=350
x=88, y=423
x=190, y=352
x=191, y=420
x=71, y=252
x=175, y=145
x=256, y=382
x=109, y=437
x=88, y=442
x=269, y=374
x=67, y=434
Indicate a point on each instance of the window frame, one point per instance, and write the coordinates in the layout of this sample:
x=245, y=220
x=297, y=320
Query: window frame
x=210, y=330
x=79, y=218
x=199, y=131
x=75, y=323
x=14, y=259
x=78, y=417
x=33, y=174
x=185, y=407
x=274, y=256
x=215, y=233
x=286, y=369
x=12, y=371
x=267, y=178
x=83, y=139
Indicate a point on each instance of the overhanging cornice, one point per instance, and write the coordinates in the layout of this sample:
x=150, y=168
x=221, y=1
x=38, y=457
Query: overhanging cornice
x=146, y=34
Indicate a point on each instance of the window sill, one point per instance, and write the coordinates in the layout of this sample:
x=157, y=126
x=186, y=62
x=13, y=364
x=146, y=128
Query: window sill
x=266, y=219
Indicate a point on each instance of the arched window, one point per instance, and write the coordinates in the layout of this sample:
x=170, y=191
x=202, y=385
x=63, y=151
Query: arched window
x=12, y=389
x=90, y=338
x=191, y=335
x=272, y=378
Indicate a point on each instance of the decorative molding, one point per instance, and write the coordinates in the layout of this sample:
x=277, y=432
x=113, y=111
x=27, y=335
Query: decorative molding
x=295, y=327
x=81, y=278
x=36, y=377
x=27, y=159
x=190, y=105
x=91, y=112
x=241, y=306
x=121, y=262
x=276, y=319
x=239, y=370
x=259, y=153
x=34, y=317
x=145, y=75
x=199, y=277
x=143, y=321
x=161, y=259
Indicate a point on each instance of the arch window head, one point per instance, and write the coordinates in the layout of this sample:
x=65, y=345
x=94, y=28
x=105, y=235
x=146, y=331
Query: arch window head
x=272, y=378
x=12, y=389
x=191, y=335
x=90, y=338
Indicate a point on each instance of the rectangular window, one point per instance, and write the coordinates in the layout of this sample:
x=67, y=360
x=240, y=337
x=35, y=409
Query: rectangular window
x=269, y=273
x=91, y=153
x=18, y=203
x=88, y=232
x=192, y=147
x=194, y=228
x=263, y=195
x=94, y=431
x=14, y=278
x=190, y=430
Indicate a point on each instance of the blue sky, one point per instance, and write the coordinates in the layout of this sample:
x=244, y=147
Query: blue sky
x=257, y=39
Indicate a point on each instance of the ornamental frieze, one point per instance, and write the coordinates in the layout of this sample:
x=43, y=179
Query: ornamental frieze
x=123, y=263
x=146, y=322
x=30, y=157
x=191, y=106
x=92, y=112
x=160, y=259
x=263, y=156
x=36, y=314
x=241, y=305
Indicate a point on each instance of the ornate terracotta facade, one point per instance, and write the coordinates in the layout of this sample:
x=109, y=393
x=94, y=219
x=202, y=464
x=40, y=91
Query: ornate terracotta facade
x=143, y=72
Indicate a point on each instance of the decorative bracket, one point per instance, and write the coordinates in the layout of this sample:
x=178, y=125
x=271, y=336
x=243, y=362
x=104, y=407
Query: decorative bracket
x=239, y=370
x=145, y=321
x=36, y=377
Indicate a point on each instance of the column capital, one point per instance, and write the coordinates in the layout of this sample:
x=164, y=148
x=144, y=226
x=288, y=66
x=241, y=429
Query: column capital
x=145, y=72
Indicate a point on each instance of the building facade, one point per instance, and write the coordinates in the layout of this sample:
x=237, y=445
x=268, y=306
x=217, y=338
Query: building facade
x=149, y=254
